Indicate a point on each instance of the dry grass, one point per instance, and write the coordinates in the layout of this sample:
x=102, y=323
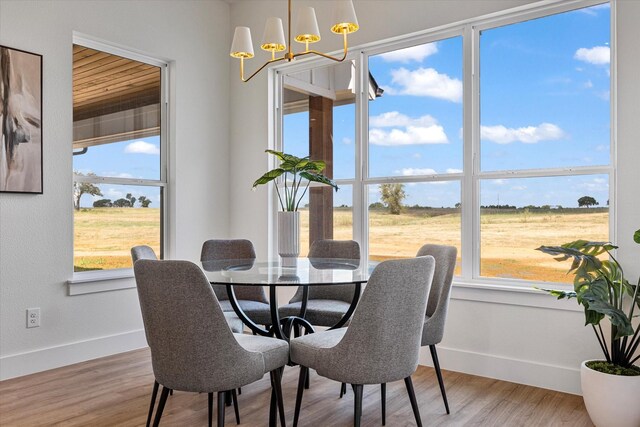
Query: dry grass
x=104, y=236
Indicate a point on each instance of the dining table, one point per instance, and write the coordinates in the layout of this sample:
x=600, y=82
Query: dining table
x=287, y=272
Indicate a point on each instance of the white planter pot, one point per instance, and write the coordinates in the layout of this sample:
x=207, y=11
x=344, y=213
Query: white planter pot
x=288, y=234
x=611, y=400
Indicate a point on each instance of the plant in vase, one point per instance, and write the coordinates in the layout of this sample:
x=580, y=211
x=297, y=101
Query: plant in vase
x=297, y=173
x=610, y=387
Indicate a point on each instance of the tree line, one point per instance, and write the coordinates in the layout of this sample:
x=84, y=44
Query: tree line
x=81, y=188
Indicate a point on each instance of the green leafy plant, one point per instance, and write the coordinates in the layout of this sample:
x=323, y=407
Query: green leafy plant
x=294, y=170
x=600, y=286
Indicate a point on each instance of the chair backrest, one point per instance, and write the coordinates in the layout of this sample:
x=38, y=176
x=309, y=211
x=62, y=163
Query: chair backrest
x=382, y=342
x=436, y=313
x=326, y=248
x=216, y=249
x=142, y=252
x=192, y=347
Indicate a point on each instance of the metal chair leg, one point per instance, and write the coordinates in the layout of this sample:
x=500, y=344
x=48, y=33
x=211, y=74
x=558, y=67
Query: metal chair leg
x=343, y=390
x=276, y=379
x=210, y=407
x=383, y=399
x=307, y=380
x=163, y=400
x=357, y=403
x=301, y=381
x=154, y=393
x=436, y=365
x=412, y=398
x=227, y=398
x=234, y=396
x=221, y=405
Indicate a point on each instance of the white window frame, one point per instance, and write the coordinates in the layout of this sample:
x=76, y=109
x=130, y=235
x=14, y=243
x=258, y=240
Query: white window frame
x=79, y=282
x=472, y=175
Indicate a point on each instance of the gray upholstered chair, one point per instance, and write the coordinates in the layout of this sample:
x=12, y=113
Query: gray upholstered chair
x=438, y=303
x=382, y=342
x=192, y=348
x=326, y=304
x=146, y=252
x=252, y=299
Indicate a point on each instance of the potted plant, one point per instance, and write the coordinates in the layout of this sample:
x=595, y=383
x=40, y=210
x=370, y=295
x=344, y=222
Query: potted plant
x=610, y=387
x=297, y=174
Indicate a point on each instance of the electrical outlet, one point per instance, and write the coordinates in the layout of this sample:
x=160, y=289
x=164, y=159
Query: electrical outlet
x=33, y=317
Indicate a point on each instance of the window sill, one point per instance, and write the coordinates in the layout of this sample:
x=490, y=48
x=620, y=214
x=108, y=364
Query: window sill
x=90, y=282
x=512, y=293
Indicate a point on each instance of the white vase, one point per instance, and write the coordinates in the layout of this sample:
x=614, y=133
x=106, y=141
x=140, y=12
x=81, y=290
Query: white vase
x=611, y=400
x=289, y=234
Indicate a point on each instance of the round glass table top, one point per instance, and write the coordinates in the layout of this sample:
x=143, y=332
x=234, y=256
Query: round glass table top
x=286, y=272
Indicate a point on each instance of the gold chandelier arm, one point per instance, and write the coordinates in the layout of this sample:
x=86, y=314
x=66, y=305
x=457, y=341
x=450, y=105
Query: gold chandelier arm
x=324, y=55
x=258, y=70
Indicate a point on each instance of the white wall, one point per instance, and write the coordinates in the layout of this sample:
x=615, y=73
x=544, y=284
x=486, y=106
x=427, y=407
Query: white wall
x=36, y=248
x=515, y=336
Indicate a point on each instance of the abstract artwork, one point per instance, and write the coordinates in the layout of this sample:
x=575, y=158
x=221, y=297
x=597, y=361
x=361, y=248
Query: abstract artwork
x=21, y=119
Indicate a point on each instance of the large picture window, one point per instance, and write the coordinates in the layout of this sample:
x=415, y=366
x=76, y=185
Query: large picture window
x=119, y=157
x=492, y=136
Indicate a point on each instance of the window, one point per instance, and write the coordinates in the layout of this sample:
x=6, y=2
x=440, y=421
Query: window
x=119, y=156
x=492, y=136
x=544, y=140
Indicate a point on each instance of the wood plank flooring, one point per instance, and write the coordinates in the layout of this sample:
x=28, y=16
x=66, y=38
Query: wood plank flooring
x=115, y=391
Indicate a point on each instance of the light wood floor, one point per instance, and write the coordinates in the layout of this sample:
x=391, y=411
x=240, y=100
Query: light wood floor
x=115, y=391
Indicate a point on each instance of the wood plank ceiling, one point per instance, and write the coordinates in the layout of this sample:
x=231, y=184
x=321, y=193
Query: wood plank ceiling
x=104, y=83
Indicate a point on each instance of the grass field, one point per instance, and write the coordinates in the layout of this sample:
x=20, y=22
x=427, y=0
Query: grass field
x=104, y=236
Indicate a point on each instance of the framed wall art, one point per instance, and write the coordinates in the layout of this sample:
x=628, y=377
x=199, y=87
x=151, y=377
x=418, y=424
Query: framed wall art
x=21, y=121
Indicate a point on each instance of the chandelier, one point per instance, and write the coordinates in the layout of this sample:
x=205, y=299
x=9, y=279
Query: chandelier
x=306, y=31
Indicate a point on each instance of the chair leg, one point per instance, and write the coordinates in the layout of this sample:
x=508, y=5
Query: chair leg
x=436, y=365
x=383, y=399
x=154, y=393
x=170, y=392
x=234, y=396
x=227, y=398
x=273, y=413
x=210, y=407
x=307, y=381
x=412, y=398
x=357, y=403
x=239, y=391
x=221, y=405
x=301, y=381
x=276, y=382
x=163, y=400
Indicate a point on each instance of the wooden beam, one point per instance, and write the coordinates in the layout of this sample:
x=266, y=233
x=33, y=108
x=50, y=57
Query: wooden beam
x=321, y=148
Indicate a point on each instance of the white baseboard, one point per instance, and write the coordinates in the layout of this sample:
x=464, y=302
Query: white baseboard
x=519, y=371
x=30, y=362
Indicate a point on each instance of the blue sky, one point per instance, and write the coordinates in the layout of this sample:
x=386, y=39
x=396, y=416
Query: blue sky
x=139, y=158
x=544, y=104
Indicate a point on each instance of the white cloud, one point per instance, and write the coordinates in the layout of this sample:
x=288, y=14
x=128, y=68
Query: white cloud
x=418, y=171
x=519, y=187
x=593, y=10
x=420, y=130
x=499, y=181
x=528, y=135
x=346, y=141
x=588, y=84
x=394, y=119
x=417, y=156
x=413, y=53
x=597, y=55
x=425, y=82
x=452, y=170
x=142, y=147
x=413, y=135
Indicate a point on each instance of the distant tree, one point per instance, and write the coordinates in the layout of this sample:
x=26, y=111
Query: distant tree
x=458, y=205
x=376, y=205
x=102, y=203
x=144, y=202
x=131, y=199
x=587, y=201
x=122, y=203
x=392, y=196
x=80, y=188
